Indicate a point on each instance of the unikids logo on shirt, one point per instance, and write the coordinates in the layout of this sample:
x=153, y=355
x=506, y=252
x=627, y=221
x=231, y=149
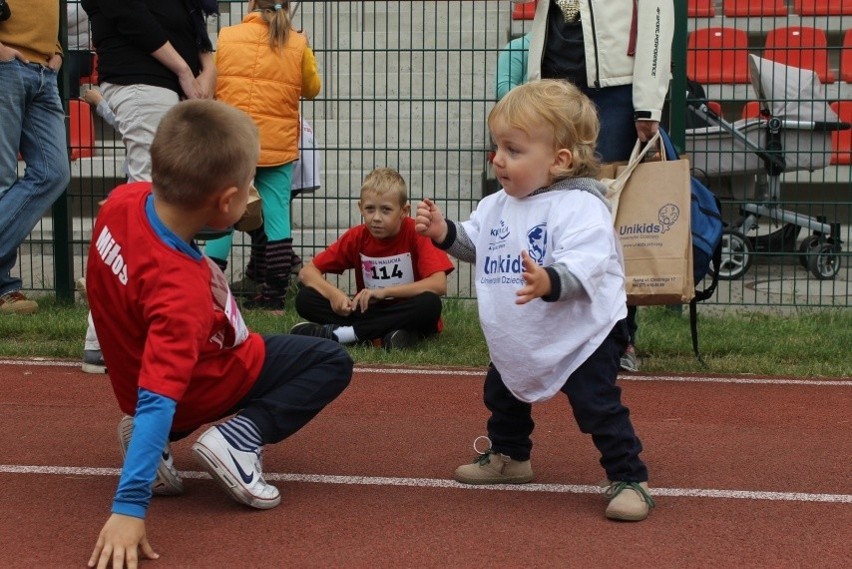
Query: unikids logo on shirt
x=508, y=269
x=110, y=253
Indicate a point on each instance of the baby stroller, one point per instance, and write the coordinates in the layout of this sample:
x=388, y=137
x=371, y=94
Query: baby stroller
x=793, y=132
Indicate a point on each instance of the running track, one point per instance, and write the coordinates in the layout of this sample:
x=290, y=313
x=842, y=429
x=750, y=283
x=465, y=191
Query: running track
x=747, y=472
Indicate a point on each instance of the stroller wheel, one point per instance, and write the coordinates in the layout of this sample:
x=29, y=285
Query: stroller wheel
x=824, y=262
x=737, y=256
x=810, y=242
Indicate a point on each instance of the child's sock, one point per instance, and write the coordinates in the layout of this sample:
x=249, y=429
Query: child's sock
x=346, y=335
x=241, y=433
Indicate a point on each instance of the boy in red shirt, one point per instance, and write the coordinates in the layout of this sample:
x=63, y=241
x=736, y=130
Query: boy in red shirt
x=400, y=275
x=178, y=352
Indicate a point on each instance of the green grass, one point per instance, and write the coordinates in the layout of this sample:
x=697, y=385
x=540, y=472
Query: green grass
x=809, y=343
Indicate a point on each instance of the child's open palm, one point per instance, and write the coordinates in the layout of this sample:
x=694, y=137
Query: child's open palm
x=536, y=278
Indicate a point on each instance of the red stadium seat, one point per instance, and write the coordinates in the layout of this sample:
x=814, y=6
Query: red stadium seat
x=757, y=8
x=846, y=57
x=717, y=55
x=841, y=140
x=524, y=11
x=82, y=129
x=800, y=46
x=715, y=106
x=823, y=7
x=701, y=8
x=751, y=110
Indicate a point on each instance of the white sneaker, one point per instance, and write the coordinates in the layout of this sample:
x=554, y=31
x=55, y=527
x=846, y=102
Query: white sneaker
x=239, y=473
x=168, y=482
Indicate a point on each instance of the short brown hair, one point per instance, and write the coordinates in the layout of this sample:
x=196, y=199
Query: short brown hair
x=561, y=107
x=202, y=146
x=384, y=181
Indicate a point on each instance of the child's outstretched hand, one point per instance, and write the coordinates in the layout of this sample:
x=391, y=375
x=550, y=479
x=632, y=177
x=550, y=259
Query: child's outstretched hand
x=430, y=222
x=121, y=541
x=537, y=279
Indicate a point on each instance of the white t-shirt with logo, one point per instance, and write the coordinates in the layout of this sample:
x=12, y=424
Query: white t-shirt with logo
x=537, y=345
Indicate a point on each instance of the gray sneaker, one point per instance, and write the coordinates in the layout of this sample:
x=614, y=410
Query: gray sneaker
x=628, y=359
x=168, y=482
x=93, y=362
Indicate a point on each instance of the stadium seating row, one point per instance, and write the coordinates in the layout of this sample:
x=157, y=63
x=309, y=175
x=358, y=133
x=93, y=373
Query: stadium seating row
x=765, y=8
x=720, y=54
x=737, y=8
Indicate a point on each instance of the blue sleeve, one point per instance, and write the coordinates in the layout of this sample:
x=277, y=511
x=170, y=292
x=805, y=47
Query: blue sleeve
x=151, y=426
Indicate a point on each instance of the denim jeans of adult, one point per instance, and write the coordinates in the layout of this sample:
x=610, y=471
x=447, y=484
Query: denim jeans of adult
x=32, y=122
x=618, y=129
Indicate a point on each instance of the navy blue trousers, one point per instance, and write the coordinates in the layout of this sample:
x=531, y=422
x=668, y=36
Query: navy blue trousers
x=300, y=376
x=596, y=402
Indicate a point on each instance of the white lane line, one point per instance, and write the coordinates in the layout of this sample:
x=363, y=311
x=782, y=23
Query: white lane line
x=451, y=484
x=481, y=373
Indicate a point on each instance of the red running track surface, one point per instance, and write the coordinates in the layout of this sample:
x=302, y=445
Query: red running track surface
x=746, y=472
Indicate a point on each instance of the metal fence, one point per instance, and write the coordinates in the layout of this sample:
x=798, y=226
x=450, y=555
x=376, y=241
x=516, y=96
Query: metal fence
x=409, y=84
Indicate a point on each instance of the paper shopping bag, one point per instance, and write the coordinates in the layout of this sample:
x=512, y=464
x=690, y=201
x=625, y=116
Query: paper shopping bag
x=253, y=217
x=652, y=223
x=614, y=175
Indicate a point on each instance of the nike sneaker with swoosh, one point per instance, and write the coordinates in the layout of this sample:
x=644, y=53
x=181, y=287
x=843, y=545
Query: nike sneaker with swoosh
x=240, y=473
x=168, y=482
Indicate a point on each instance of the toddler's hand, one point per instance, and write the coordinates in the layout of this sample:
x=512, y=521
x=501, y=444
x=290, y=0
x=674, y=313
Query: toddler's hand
x=537, y=279
x=430, y=222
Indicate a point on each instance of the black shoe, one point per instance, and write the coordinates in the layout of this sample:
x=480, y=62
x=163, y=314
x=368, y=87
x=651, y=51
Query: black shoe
x=263, y=302
x=316, y=330
x=401, y=339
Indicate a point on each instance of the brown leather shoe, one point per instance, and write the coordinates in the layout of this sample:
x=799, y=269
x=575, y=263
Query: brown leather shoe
x=16, y=303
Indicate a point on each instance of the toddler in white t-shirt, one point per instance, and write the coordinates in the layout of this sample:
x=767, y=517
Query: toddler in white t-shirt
x=550, y=289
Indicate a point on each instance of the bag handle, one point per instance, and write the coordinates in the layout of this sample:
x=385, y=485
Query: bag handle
x=668, y=145
x=636, y=157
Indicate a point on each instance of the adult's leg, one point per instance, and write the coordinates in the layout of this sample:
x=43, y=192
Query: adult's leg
x=32, y=121
x=615, y=143
x=138, y=110
x=596, y=403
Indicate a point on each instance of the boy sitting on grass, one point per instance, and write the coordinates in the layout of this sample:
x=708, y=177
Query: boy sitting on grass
x=178, y=352
x=400, y=275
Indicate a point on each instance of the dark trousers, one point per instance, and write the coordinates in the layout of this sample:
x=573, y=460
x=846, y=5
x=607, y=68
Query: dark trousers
x=419, y=314
x=300, y=376
x=596, y=402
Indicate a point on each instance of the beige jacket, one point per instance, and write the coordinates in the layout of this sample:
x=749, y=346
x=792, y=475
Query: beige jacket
x=606, y=32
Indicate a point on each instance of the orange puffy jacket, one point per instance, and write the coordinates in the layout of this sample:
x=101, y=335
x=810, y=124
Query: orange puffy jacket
x=266, y=83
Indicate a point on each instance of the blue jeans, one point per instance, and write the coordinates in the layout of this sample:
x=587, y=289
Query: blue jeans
x=32, y=122
x=618, y=129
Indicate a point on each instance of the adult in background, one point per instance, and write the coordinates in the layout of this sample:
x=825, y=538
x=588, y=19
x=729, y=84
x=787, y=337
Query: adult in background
x=151, y=54
x=32, y=123
x=618, y=52
x=78, y=60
